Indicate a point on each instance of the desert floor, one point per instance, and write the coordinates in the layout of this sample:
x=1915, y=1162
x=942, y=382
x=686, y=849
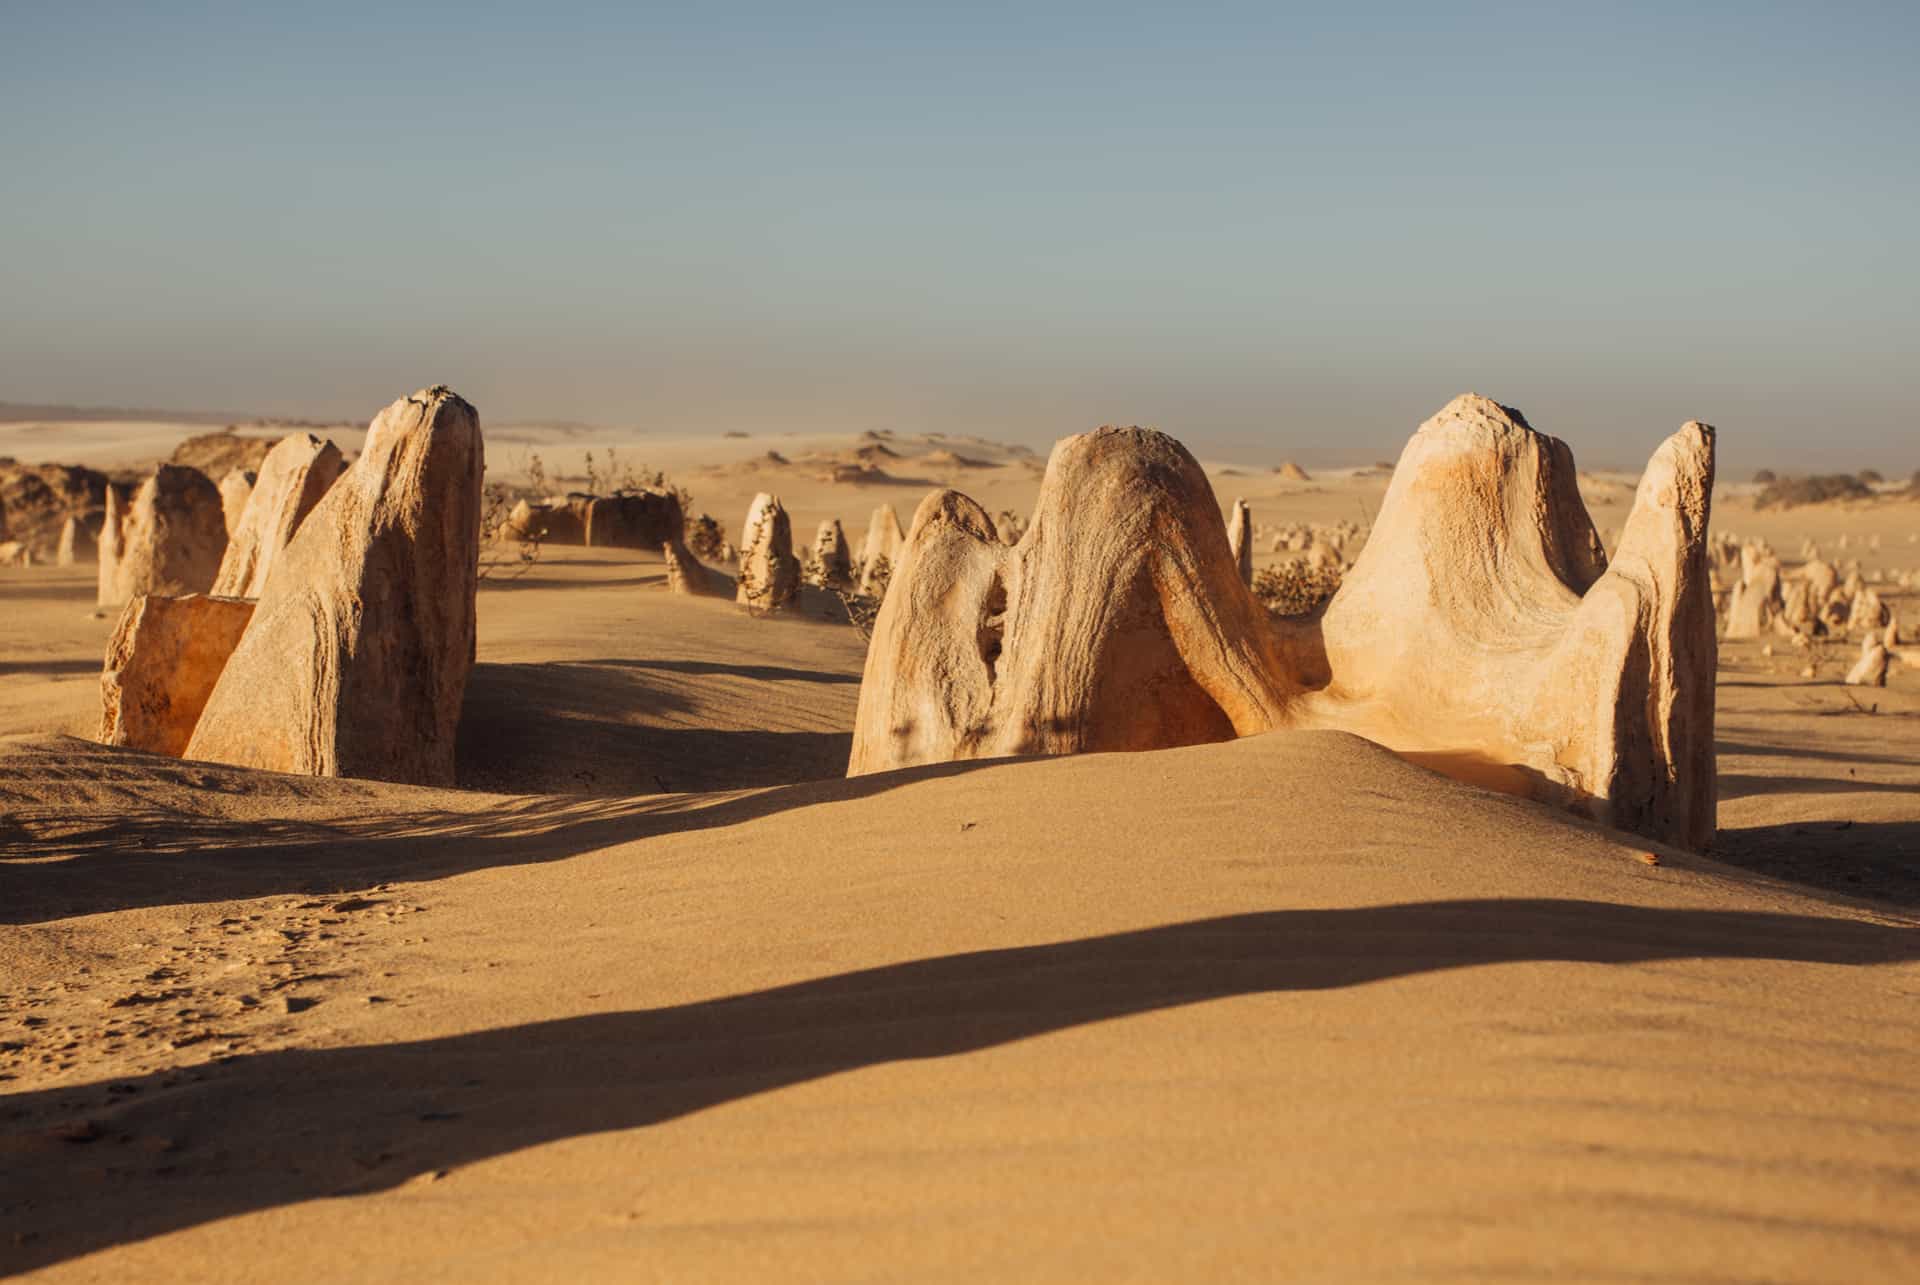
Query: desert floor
x=659, y=995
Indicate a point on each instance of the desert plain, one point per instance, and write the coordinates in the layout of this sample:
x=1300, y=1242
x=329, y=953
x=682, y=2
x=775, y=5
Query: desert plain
x=654, y=990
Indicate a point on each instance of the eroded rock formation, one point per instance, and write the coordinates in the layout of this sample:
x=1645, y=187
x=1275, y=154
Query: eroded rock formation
x=80, y=538
x=357, y=659
x=831, y=553
x=1240, y=539
x=162, y=662
x=1482, y=631
x=881, y=550
x=169, y=542
x=686, y=574
x=633, y=520
x=296, y=473
x=769, y=573
x=235, y=489
x=1118, y=622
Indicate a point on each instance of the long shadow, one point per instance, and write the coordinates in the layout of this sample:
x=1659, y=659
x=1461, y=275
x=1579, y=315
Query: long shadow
x=1735, y=785
x=151, y=857
x=562, y=727
x=56, y=668
x=102, y=1164
x=1725, y=747
x=506, y=581
x=1877, y=859
x=770, y=673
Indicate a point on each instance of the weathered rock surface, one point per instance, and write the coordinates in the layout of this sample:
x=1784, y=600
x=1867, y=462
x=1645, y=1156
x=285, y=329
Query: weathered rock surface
x=1119, y=621
x=1871, y=669
x=831, y=552
x=1482, y=631
x=881, y=550
x=1240, y=539
x=169, y=543
x=35, y=500
x=296, y=473
x=769, y=573
x=217, y=454
x=358, y=656
x=235, y=489
x=633, y=520
x=162, y=662
x=80, y=538
x=686, y=574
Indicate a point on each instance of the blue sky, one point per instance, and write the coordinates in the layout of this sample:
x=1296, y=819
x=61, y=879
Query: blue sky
x=1261, y=228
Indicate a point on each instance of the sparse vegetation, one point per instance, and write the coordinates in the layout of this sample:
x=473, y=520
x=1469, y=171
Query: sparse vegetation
x=1785, y=493
x=1871, y=476
x=1765, y=477
x=863, y=609
x=705, y=540
x=1295, y=588
x=496, y=503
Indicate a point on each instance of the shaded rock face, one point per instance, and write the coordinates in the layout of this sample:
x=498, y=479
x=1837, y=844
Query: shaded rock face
x=1871, y=669
x=235, y=488
x=170, y=541
x=1756, y=600
x=1240, y=539
x=357, y=659
x=36, y=499
x=884, y=539
x=295, y=475
x=686, y=574
x=831, y=552
x=1481, y=632
x=80, y=538
x=769, y=573
x=558, y=524
x=162, y=662
x=1118, y=622
x=633, y=520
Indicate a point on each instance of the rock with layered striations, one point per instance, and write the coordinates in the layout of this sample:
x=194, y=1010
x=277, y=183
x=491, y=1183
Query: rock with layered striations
x=1240, y=539
x=358, y=656
x=769, y=573
x=633, y=520
x=162, y=662
x=1482, y=631
x=1118, y=622
x=235, y=489
x=295, y=475
x=881, y=550
x=169, y=542
x=831, y=552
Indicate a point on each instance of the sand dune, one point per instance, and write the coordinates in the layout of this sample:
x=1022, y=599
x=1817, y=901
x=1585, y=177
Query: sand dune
x=658, y=993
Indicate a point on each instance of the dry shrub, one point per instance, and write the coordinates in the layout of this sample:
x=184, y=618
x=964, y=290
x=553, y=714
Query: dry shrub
x=1294, y=588
x=705, y=539
x=864, y=609
x=1790, y=491
x=496, y=503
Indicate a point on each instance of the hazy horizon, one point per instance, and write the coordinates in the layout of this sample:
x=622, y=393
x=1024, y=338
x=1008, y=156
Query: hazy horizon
x=1267, y=233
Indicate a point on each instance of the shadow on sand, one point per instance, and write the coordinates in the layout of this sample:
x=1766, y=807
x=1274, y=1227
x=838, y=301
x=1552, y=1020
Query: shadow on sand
x=1876, y=859
x=106, y=1163
x=150, y=857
